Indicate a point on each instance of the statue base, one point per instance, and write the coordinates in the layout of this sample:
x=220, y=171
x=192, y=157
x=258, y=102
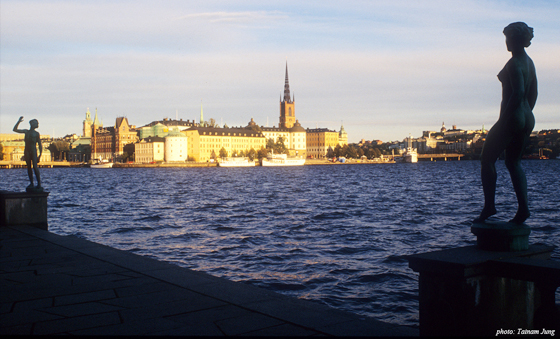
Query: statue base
x=501, y=236
x=24, y=208
x=34, y=189
x=467, y=291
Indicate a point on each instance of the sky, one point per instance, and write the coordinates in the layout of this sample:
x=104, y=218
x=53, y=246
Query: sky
x=382, y=69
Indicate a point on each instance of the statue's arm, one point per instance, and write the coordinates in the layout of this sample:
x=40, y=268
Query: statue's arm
x=16, y=126
x=40, y=147
x=533, y=91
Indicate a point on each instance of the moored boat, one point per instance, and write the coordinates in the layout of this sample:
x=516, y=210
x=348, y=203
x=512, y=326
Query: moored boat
x=411, y=154
x=236, y=162
x=102, y=164
x=282, y=160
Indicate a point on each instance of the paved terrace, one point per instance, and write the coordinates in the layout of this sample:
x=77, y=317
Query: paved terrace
x=53, y=284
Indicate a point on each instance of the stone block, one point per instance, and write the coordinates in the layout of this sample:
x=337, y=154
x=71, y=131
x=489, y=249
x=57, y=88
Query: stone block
x=23, y=208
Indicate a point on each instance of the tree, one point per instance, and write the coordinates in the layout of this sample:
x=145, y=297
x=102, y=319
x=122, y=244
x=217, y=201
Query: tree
x=1, y=152
x=262, y=153
x=337, y=151
x=213, y=155
x=351, y=152
x=279, y=147
x=223, y=153
x=330, y=152
x=252, y=154
x=360, y=152
x=270, y=144
x=344, y=151
x=211, y=123
x=129, y=150
x=58, y=148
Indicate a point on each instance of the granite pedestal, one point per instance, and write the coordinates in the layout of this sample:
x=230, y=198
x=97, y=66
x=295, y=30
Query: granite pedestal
x=24, y=208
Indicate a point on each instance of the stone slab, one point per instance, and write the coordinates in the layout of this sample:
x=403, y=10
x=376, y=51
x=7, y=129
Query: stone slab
x=466, y=261
x=127, y=294
x=501, y=236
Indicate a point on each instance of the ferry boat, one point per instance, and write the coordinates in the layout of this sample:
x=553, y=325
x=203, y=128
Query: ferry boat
x=236, y=162
x=282, y=160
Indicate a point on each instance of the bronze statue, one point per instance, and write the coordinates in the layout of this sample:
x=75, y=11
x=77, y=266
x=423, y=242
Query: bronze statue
x=32, y=139
x=512, y=130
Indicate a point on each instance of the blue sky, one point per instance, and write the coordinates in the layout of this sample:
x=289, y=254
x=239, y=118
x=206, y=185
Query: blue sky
x=382, y=68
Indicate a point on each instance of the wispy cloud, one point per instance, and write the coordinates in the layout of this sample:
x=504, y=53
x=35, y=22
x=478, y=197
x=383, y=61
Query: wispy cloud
x=235, y=17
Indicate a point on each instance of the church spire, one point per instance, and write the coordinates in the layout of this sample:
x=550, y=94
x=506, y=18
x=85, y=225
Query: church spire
x=287, y=86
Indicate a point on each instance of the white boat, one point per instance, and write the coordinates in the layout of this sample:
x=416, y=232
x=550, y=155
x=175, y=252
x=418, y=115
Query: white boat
x=282, y=160
x=411, y=154
x=102, y=164
x=236, y=162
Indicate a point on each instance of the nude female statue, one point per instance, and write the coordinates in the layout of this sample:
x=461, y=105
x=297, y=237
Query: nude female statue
x=512, y=130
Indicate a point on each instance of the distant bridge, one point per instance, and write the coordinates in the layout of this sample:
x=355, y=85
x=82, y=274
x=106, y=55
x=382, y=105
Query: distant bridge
x=445, y=156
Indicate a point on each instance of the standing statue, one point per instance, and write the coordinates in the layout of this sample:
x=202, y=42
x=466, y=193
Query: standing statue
x=32, y=139
x=512, y=130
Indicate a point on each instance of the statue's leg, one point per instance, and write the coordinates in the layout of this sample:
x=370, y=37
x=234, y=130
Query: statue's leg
x=514, y=153
x=493, y=146
x=36, y=170
x=29, y=172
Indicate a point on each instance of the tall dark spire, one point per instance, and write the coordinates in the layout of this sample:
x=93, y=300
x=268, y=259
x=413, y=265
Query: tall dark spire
x=287, y=87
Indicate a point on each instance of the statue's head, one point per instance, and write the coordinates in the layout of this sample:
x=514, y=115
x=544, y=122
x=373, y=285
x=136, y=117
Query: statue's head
x=34, y=123
x=518, y=33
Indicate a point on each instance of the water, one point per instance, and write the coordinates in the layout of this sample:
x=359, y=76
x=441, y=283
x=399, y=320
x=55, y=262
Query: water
x=333, y=234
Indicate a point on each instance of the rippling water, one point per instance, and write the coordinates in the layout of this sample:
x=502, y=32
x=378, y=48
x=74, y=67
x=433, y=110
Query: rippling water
x=334, y=234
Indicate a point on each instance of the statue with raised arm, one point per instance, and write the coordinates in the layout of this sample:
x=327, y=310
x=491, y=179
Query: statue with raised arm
x=512, y=130
x=32, y=140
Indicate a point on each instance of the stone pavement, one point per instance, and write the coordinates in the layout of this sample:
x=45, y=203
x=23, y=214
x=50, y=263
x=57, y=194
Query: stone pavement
x=53, y=284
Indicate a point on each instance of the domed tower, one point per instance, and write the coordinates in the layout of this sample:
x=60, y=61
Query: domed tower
x=287, y=106
x=342, y=136
x=298, y=140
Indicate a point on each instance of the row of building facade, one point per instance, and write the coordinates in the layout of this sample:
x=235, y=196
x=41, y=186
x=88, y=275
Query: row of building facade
x=177, y=140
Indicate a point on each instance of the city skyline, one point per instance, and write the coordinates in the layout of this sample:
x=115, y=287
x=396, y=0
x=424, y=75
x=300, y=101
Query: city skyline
x=383, y=69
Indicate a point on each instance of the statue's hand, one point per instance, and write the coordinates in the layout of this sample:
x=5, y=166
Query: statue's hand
x=20, y=119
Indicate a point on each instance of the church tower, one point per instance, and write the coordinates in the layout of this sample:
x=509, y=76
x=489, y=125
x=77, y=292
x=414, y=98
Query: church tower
x=287, y=106
x=87, y=125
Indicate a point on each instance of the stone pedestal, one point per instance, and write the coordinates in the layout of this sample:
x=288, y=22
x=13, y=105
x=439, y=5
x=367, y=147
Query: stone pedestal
x=467, y=291
x=501, y=236
x=23, y=208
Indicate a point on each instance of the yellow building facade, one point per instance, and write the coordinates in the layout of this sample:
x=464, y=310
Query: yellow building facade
x=319, y=140
x=149, y=150
x=204, y=142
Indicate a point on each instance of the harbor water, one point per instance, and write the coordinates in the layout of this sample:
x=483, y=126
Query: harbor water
x=333, y=234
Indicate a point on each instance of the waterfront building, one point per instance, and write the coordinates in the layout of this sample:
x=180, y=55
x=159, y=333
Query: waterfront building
x=295, y=138
x=14, y=151
x=161, y=128
x=320, y=140
x=149, y=150
x=206, y=142
x=107, y=143
x=176, y=147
